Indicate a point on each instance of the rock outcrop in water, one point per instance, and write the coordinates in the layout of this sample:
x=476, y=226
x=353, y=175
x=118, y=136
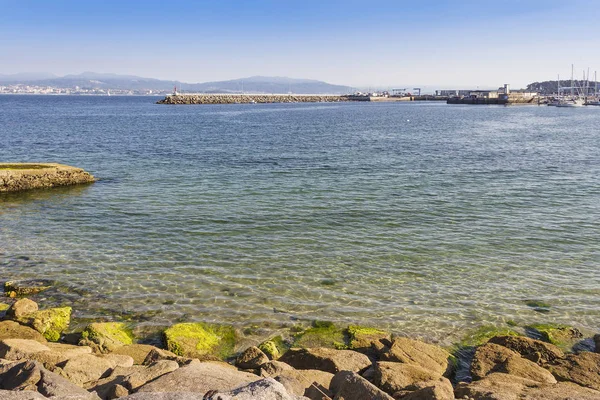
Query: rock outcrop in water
x=23, y=176
x=367, y=364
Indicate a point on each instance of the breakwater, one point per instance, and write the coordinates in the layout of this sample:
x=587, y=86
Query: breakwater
x=23, y=176
x=250, y=98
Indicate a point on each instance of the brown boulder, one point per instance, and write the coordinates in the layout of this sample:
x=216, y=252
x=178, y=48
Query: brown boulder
x=86, y=368
x=491, y=358
x=14, y=330
x=17, y=349
x=531, y=349
x=582, y=368
x=147, y=374
x=437, y=389
x=499, y=386
x=138, y=352
x=348, y=385
x=200, y=377
x=415, y=352
x=392, y=377
x=251, y=358
x=22, y=376
x=325, y=359
x=21, y=308
x=297, y=382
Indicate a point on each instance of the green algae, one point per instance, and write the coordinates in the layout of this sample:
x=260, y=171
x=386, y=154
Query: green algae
x=322, y=334
x=4, y=306
x=51, y=322
x=361, y=337
x=484, y=333
x=195, y=339
x=274, y=347
x=107, y=335
x=23, y=166
x=556, y=334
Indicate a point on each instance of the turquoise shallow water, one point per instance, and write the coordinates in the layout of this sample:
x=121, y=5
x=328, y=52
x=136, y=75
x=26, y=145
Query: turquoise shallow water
x=425, y=218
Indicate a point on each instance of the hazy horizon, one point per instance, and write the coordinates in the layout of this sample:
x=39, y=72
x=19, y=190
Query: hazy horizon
x=433, y=44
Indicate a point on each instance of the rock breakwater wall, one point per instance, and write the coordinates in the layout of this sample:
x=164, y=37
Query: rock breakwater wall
x=24, y=176
x=250, y=98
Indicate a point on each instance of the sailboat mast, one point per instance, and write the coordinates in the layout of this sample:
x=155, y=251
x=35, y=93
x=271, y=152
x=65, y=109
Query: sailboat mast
x=572, y=87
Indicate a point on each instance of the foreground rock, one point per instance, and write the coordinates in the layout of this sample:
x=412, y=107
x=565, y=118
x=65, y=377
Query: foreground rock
x=393, y=377
x=264, y=389
x=582, y=369
x=491, y=358
x=500, y=386
x=23, y=176
x=200, y=377
x=533, y=350
x=350, y=386
x=14, y=330
x=31, y=376
x=328, y=360
x=299, y=382
x=414, y=352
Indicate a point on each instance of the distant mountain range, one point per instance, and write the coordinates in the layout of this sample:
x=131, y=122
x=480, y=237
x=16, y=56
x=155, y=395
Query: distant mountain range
x=254, y=84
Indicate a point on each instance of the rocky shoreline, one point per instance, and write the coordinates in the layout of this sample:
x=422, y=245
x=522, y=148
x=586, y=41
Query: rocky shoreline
x=25, y=176
x=41, y=358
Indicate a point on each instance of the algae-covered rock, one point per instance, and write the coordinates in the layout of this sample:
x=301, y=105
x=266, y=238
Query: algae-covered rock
x=484, y=333
x=26, y=287
x=273, y=348
x=50, y=322
x=106, y=336
x=198, y=339
x=322, y=334
x=3, y=308
x=557, y=334
x=361, y=338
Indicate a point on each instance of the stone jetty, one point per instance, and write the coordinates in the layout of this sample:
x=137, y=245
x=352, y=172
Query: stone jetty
x=24, y=176
x=41, y=357
x=250, y=98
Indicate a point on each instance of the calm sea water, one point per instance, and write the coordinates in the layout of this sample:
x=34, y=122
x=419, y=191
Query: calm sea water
x=425, y=218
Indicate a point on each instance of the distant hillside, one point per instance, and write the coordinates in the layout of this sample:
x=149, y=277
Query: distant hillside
x=255, y=84
x=550, y=87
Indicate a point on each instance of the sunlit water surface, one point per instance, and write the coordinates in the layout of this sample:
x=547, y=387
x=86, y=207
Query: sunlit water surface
x=424, y=218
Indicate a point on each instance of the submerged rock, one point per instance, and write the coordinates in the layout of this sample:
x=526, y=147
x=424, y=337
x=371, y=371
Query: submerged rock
x=557, y=334
x=26, y=287
x=106, y=336
x=322, y=334
x=198, y=339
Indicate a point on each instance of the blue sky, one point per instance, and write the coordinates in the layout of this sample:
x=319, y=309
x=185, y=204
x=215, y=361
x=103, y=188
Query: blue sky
x=360, y=43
